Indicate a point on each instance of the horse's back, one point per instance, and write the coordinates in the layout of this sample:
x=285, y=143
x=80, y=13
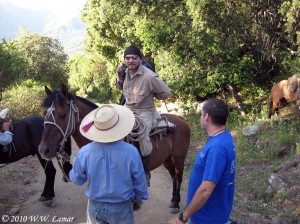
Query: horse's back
x=278, y=87
x=182, y=128
x=175, y=144
x=27, y=133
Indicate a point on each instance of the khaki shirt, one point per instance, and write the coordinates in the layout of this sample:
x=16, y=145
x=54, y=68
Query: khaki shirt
x=140, y=89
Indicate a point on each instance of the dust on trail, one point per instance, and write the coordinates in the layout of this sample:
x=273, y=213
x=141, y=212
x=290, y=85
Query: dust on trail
x=22, y=183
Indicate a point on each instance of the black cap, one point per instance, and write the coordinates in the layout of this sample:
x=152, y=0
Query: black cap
x=132, y=49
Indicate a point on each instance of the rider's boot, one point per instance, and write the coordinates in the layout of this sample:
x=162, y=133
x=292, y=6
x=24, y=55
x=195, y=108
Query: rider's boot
x=146, y=164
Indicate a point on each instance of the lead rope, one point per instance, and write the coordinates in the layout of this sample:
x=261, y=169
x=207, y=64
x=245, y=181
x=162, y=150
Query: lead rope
x=138, y=130
x=60, y=164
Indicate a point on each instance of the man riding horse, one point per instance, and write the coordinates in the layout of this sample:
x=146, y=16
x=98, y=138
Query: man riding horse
x=139, y=87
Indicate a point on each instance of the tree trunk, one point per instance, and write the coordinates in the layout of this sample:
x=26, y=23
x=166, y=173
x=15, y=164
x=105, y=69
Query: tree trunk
x=238, y=99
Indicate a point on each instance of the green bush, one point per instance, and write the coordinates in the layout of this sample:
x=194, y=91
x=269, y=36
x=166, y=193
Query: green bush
x=24, y=99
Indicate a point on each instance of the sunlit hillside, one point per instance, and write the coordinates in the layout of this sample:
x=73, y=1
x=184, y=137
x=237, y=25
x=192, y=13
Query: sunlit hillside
x=68, y=29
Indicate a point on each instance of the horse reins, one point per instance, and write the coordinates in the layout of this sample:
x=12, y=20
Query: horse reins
x=61, y=154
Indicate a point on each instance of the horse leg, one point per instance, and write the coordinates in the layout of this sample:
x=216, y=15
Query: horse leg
x=48, y=192
x=271, y=109
x=176, y=176
x=278, y=115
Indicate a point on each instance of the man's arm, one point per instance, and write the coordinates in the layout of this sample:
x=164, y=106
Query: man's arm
x=78, y=174
x=201, y=196
x=6, y=137
x=139, y=178
x=160, y=88
x=119, y=81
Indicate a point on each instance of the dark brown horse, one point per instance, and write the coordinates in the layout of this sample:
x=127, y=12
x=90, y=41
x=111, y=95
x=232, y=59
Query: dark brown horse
x=27, y=134
x=61, y=107
x=283, y=93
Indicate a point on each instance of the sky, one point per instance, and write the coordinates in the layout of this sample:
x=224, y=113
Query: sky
x=57, y=6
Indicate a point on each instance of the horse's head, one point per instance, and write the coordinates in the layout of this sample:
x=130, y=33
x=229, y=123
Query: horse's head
x=293, y=83
x=60, y=120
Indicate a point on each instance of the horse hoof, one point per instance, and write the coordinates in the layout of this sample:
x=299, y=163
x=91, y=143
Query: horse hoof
x=175, y=210
x=42, y=198
x=50, y=203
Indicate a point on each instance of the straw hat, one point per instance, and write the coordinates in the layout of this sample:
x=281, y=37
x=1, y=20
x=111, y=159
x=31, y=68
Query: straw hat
x=107, y=123
x=4, y=113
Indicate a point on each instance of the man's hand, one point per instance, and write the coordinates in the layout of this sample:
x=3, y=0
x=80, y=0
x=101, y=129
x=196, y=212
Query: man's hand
x=72, y=159
x=119, y=71
x=6, y=126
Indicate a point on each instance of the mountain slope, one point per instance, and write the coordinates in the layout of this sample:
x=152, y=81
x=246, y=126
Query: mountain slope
x=67, y=28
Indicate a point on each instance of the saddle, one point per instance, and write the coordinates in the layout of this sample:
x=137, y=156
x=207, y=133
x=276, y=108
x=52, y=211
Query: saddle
x=162, y=127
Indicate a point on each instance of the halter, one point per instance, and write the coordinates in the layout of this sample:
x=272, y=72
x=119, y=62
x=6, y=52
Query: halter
x=61, y=154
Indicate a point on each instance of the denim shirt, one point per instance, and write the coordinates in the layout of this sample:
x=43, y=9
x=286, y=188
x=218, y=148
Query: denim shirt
x=114, y=172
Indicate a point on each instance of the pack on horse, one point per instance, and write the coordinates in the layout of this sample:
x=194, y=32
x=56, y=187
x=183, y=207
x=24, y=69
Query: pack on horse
x=27, y=133
x=64, y=108
x=284, y=93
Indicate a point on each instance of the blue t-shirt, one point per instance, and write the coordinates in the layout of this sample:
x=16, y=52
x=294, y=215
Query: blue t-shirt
x=215, y=162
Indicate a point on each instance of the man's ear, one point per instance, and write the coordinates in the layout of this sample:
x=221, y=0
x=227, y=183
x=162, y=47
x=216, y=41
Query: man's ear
x=206, y=117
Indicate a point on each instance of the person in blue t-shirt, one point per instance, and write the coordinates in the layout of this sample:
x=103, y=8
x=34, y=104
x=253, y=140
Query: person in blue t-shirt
x=211, y=184
x=112, y=167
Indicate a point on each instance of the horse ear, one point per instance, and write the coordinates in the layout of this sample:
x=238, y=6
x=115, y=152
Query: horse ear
x=47, y=90
x=64, y=90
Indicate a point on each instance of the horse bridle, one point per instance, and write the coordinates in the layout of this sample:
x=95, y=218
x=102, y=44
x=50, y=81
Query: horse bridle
x=73, y=111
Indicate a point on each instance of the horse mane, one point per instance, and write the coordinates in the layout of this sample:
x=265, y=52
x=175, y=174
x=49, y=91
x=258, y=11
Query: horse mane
x=85, y=101
x=59, y=98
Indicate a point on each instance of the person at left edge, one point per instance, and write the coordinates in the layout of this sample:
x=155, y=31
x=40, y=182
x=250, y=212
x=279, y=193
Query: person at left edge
x=112, y=167
x=6, y=136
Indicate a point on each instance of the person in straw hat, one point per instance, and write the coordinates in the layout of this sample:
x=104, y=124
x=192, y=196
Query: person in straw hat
x=6, y=136
x=112, y=167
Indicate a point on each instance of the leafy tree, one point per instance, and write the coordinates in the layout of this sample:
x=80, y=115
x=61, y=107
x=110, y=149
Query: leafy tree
x=12, y=65
x=290, y=10
x=88, y=76
x=201, y=48
x=45, y=56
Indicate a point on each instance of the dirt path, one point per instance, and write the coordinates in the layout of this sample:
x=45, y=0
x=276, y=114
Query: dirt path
x=23, y=181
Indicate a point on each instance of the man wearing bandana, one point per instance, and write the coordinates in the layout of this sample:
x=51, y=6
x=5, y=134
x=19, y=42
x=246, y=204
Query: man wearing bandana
x=139, y=88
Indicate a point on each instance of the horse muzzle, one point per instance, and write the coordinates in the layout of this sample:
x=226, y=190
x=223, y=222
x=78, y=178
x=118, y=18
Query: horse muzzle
x=47, y=153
